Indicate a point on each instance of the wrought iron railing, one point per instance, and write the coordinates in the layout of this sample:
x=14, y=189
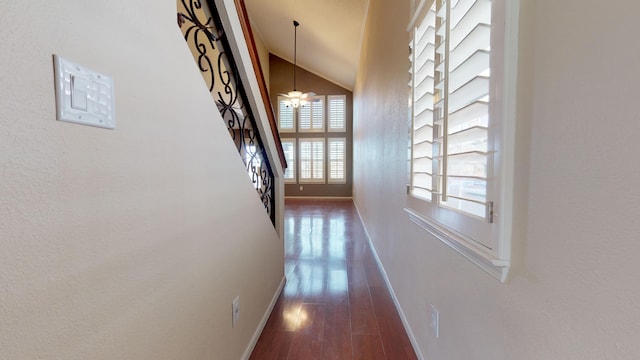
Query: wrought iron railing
x=203, y=30
x=243, y=16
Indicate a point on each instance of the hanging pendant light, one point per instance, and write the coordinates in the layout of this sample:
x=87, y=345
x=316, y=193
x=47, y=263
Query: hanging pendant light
x=296, y=98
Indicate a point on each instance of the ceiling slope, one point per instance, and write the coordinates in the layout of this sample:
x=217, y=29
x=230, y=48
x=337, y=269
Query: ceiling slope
x=329, y=35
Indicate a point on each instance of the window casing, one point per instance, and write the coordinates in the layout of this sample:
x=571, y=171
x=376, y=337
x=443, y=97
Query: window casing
x=462, y=62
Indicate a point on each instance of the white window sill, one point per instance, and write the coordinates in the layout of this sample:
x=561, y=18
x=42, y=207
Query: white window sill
x=499, y=269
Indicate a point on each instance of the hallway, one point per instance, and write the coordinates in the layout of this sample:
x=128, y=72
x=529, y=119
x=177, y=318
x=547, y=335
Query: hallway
x=335, y=304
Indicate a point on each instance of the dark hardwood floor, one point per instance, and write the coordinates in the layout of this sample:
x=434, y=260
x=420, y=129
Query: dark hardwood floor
x=335, y=304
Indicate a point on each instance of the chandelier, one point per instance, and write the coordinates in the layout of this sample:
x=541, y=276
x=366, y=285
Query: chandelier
x=296, y=98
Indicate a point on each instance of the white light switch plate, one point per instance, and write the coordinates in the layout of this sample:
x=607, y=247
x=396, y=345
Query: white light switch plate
x=235, y=311
x=83, y=96
x=435, y=320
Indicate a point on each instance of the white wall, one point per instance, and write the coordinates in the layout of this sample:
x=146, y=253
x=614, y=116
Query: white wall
x=573, y=293
x=125, y=244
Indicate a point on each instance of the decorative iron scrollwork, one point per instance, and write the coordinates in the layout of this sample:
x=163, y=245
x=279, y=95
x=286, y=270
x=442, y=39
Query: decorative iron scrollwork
x=202, y=28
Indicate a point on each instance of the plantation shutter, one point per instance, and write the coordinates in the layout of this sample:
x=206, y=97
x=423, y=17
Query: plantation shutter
x=336, y=112
x=289, y=147
x=450, y=82
x=337, y=160
x=311, y=162
x=422, y=70
x=463, y=30
x=304, y=118
x=311, y=115
x=317, y=114
x=474, y=54
x=285, y=116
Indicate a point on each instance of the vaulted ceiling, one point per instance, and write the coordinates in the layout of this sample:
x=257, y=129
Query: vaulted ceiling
x=329, y=35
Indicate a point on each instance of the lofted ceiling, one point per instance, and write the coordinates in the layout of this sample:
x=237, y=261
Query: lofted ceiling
x=329, y=35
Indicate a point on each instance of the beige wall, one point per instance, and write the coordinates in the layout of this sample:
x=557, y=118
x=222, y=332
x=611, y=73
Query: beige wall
x=282, y=83
x=573, y=293
x=124, y=244
x=263, y=54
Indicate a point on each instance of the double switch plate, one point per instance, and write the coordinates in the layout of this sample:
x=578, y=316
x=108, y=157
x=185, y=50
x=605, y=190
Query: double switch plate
x=83, y=96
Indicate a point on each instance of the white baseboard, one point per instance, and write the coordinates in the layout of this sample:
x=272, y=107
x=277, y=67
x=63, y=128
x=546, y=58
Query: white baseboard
x=405, y=322
x=263, y=322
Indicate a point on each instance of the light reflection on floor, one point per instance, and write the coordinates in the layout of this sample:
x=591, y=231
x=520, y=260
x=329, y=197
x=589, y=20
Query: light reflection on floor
x=316, y=250
x=334, y=304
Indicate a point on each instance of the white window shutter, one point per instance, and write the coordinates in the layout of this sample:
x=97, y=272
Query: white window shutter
x=311, y=160
x=285, y=116
x=463, y=52
x=311, y=115
x=336, y=113
x=450, y=83
x=462, y=83
x=289, y=147
x=422, y=70
x=337, y=160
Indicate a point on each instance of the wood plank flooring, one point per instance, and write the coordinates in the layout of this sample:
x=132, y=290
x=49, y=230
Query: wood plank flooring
x=335, y=304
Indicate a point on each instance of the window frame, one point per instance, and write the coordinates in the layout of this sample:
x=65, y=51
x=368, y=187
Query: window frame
x=495, y=259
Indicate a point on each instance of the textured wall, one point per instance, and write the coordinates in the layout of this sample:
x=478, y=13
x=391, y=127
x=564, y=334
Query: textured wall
x=573, y=293
x=263, y=54
x=125, y=244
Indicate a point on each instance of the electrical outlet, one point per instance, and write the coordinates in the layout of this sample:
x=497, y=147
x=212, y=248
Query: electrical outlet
x=435, y=321
x=301, y=187
x=235, y=308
